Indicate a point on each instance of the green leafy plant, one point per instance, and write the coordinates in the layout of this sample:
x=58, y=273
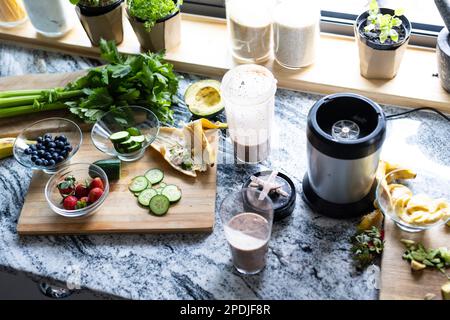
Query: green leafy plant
x=367, y=245
x=383, y=24
x=93, y=3
x=144, y=80
x=151, y=11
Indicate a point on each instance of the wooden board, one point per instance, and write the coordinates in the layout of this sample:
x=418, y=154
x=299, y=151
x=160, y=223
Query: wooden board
x=204, y=50
x=120, y=213
x=398, y=282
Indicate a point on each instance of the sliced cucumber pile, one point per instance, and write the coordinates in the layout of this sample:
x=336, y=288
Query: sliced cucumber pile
x=152, y=192
x=128, y=141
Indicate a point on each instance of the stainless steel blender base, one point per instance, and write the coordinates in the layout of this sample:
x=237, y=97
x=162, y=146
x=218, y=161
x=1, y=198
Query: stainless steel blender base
x=336, y=210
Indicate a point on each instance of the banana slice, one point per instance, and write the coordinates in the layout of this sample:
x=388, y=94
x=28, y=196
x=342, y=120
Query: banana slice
x=419, y=202
x=398, y=190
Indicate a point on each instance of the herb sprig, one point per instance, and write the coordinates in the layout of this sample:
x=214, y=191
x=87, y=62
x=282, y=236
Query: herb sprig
x=383, y=23
x=367, y=245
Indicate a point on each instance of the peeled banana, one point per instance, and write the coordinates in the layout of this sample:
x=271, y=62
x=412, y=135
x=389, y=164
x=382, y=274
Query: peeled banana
x=6, y=147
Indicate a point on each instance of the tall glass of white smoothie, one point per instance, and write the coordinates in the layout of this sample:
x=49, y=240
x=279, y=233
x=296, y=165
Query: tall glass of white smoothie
x=249, y=95
x=296, y=33
x=250, y=28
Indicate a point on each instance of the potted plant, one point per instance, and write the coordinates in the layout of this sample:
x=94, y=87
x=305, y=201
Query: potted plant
x=101, y=19
x=382, y=35
x=157, y=23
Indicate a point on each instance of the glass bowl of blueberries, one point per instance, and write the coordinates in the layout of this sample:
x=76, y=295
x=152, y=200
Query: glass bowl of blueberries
x=48, y=144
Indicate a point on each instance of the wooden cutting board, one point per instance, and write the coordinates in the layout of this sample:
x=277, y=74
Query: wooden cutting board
x=398, y=282
x=120, y=213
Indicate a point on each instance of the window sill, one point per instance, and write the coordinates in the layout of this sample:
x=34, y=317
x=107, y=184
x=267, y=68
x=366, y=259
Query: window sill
x=204, y=50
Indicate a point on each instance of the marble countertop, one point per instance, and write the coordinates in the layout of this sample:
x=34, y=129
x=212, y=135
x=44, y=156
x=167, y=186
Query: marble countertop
x=309, y=254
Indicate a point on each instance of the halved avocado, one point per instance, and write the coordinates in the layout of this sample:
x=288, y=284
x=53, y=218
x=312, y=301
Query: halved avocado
x=203, y=98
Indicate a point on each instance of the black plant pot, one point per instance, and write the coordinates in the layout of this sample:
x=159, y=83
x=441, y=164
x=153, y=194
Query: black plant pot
x=102, y=22
x=380, y=61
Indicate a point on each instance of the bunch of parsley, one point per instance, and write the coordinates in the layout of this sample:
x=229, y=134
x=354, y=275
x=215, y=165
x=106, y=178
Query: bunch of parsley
x=152, y=10
x=144, y=80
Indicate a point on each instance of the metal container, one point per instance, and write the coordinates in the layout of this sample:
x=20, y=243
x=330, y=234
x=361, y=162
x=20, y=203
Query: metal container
x=345, y=133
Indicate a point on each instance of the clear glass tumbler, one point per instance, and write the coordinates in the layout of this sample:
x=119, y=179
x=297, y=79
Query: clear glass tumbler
x=51, y=18
x=250, y=28
x=296, y=33
x=249, y=95
x=247, y=218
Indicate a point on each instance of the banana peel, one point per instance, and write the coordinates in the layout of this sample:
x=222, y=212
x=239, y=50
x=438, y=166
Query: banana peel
x=6, y=147
x=373, y=219
x=193, y=144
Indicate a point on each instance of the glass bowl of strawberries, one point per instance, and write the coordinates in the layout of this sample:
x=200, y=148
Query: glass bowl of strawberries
x=77, y=190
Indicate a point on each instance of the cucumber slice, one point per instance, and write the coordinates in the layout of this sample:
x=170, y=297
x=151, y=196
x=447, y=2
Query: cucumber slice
x=159, y=205
x=145, y=197
x=138, y=184
x=172, y=192
x=155, y=176
x=119, y=136
x=162, y=185
x=133, y=131
x=134, y=148
x=127, y=143
x=138, y=139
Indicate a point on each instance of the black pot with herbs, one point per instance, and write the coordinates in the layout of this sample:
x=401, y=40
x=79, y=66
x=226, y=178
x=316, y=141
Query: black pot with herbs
x=382, y=35
x=157, y=23
x=101, y=19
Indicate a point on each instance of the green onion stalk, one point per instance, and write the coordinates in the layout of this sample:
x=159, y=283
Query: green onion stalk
x=21, y=102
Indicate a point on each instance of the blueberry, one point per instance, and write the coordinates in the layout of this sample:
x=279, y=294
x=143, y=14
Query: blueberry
x=47, y=135
x=34, y=158
x=67, y=143
x=39, y=139
x=48, y=156
x=60, y=144
x=40, y=152
x=51, y=162
x=33, y=147
x=40, y=147
x=64, y=153
x=51, y=150
x=60, y=159
x=34, y=153
x=58, y=150
x=68, y=148
x=27, y=151
x=45, y=162
x=62, y=138
x=38, y=162
x=55, y=155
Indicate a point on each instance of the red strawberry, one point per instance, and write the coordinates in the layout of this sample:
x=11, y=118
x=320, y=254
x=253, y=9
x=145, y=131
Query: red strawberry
x=67, y=186
x=97, y=183
x=81, y=190
x=82, y=203
x=70, y=202
x=95, y=194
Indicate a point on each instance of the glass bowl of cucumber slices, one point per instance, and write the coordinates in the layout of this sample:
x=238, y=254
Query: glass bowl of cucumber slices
x=125, y=132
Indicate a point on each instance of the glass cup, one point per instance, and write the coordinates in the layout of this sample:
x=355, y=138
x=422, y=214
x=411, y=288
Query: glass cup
x=250, y=29
x=51, y=18
x=12, y=13
x=248, y=92
x=247, y=217
x=296, y=33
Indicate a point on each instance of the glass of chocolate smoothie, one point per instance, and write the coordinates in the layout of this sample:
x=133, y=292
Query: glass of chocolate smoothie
x=247, y=217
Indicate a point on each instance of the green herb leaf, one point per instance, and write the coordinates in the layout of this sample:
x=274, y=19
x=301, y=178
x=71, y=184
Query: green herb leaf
x=394, y=35
x=399, y=12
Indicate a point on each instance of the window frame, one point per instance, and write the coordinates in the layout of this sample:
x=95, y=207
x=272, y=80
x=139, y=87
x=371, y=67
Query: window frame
x=340, y=23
